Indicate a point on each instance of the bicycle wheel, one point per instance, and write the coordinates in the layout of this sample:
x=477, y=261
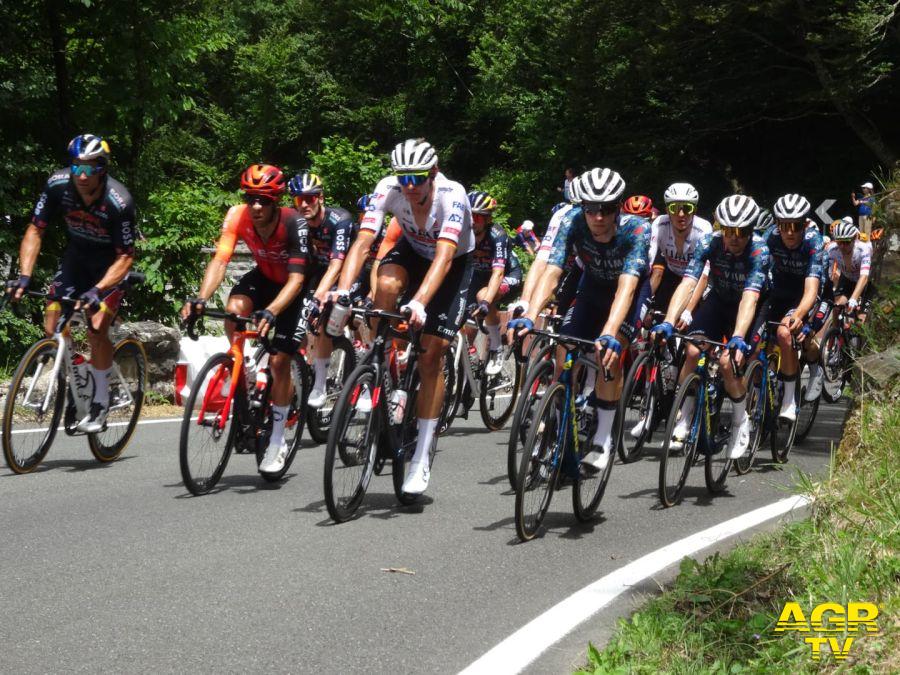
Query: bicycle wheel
x=499, y=392
x=34, y=405
x=638, y=405
x=352, y=445
x=782, y=436
x=541, y=463
x=206, y=437
x=126, y=397
x=587, y=492
x=537, y=380
x=293, y=425
x=757, y=410
x=452, y=391
x=340, y=365
x=403, y=444
x=834, y=366
x=677, y=458
x=717, y=464
x=806, y=410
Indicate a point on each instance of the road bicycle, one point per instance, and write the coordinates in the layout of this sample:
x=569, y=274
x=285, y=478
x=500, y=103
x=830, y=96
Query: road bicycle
x=53, y=382
x=374, y=419
x=341, y=362
x=708, y=431
x=558, y=440
x=840, y=348
x=229, y=408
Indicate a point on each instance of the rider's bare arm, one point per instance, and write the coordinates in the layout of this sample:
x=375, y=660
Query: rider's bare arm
x=544, y=289
x=356, y=258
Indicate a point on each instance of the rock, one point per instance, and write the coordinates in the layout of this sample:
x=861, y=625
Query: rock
x=161, y=343
x=881, y=367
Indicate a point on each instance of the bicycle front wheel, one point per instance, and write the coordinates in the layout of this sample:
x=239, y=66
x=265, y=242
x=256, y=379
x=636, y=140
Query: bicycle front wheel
x=499, y=392
x=717, y=464
x=835, y=369
x=539, y=377
x=637, y=406
x=806, y=410
x=207, y=435
x=677, y=457
x=540, y=464
x=404, y=437
x=352, y=445
x=34, y=405
x=293, y=426
x=126, y=397
x=757, y=412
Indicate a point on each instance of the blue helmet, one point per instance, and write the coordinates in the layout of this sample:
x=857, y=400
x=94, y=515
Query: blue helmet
x=362, y=204
x=87, y=146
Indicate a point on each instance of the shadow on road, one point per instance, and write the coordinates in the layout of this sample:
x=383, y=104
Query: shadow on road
x=558, y=524
x=74, y=465
x=383, y=505
x=238, y=484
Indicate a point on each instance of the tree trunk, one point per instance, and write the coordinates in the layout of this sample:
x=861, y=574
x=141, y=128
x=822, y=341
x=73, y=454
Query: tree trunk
x=60, y=69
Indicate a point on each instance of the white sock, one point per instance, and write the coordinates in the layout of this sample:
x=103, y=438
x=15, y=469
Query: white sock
x=493, y=336
x=738, y=411
x=603, y=435
x=687, y=411
x=101, y=380
x=790, y=387
x=279, y=417
x=590, y=380
x=423, y=442
x=321, y=368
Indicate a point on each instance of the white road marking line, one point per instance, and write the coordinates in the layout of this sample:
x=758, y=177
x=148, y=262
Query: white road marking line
x=514, y=653
x=161, y=420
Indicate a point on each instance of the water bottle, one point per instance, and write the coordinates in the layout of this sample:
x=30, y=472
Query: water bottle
x=398, y=405
x=80, y=369
x=337, y=319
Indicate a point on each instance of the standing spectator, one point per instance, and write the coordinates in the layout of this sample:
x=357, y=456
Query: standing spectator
x=566, y=188
x=864, y=206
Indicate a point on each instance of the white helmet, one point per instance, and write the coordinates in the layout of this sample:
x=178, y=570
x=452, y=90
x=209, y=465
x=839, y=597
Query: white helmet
x=575, y=191
x=527, y=225
x=791, y=207
x=414, y=154
x=737, y=211
x=87, y=146
x=681, y=192
x=868, y=186
x=600, y=185
x=844, y=231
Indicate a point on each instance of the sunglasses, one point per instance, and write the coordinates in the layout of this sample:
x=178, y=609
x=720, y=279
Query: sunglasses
x=602, y=208
x=844, y=242
x=412, y=179
x=675, y=207
x=791, y=226
x=86, y=169
x=306, y=199
x=739, y=232
x=262, y=200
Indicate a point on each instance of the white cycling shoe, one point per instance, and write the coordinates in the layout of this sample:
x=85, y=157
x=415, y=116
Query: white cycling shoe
x=273, y=460
x=740, y=439
x=95, y=420
x=680, y=432
x=638, y=428
x=364, y=402
x=416, y=481
x=495, y=363
x=316, y=398
x=597, y=459
x=788, y=414
x=814, y=386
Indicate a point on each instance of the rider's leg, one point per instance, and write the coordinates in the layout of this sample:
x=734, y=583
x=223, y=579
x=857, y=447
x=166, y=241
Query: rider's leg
x=789, y=374
x=322, y=350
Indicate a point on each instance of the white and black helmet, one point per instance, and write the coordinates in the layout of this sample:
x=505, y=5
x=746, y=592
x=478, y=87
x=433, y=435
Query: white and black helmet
x=87, y=146
x=737, y=211
x=575, y=191
x=600, y=185
x=791, y=207
x=844, y=231
x=414, y=154
x=681, y=192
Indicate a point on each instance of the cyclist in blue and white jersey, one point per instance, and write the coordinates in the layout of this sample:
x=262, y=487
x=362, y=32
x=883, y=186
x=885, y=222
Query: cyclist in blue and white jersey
x=430, y=268
x=738, y=274
x=614, y=249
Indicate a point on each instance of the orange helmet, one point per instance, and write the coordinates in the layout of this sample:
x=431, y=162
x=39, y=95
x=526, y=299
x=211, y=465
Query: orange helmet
x=638, y=205
x=263, y=179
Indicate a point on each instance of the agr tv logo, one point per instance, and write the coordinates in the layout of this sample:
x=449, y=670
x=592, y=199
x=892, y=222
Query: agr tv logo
x=830, y=617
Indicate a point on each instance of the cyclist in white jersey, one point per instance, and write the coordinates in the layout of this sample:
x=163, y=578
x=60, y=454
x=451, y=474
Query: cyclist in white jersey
x=429, y=267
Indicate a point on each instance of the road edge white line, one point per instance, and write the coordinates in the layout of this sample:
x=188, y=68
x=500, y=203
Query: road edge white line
x=159, y=420
x=514, y=653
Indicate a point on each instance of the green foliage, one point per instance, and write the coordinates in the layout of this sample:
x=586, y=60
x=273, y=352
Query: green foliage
x=348, y=170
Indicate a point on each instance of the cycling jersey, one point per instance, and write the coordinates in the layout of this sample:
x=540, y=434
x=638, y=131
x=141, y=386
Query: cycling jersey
x=525, y=238
x=854, y=265
x=792, y=266
x=332, y=238
x=625, y=253
x=97, y=233
x=491, y=252
x=450, y=218
x=664, y=250
x=731, y=275
x=284, y=252
x=544, y=250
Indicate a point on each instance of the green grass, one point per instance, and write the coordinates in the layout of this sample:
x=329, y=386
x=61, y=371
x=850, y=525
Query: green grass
x=720, y=614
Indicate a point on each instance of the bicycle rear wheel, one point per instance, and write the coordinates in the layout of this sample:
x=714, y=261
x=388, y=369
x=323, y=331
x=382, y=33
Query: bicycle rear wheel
x=352, y=445
x=677, y=458
x=757, y=411
x=638, y=405
x=403, y=444
x=717, y=464
x=126, y=397
x=806, y=410
x=341, y=363
x=34, y=405
x=782, y=437
x=835, y=370
x=538, y=378
x=540, y=464
x=499, y=392
x=206, y=436
x=452, y=391
x=293, y=426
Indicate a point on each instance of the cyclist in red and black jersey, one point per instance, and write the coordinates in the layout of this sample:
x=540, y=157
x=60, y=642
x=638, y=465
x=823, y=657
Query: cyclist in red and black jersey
x=270, y=291
x=99, y=215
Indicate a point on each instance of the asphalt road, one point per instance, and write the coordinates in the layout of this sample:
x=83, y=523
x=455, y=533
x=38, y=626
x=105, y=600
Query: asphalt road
x=116, y=568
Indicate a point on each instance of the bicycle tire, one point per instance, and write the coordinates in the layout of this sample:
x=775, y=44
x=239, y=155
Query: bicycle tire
x=452, y=387
x=541, y=463
x=293, y=427
x=833, y=367
x=806, y=410
x=538, y=378
x=679, y=460
x=105, y=446
x=343, y=504
x=319, y=419
x=589, y=488
x=716, y=463
x=757, y=410
x=648, y=406
x=781, y=439
x=218, y=368
x=403, y=443
x=42, y=349
x=489, y=384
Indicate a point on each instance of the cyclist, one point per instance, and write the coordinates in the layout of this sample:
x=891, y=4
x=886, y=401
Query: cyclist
x=330, y=236
x=490, y=259
x=98, y=212
x=765, y=223
x=614, y=248
x=739, y=269
x=796, y=252
x=852, y=260
x=526, y=238
x=430, y=268
x=270, y=292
